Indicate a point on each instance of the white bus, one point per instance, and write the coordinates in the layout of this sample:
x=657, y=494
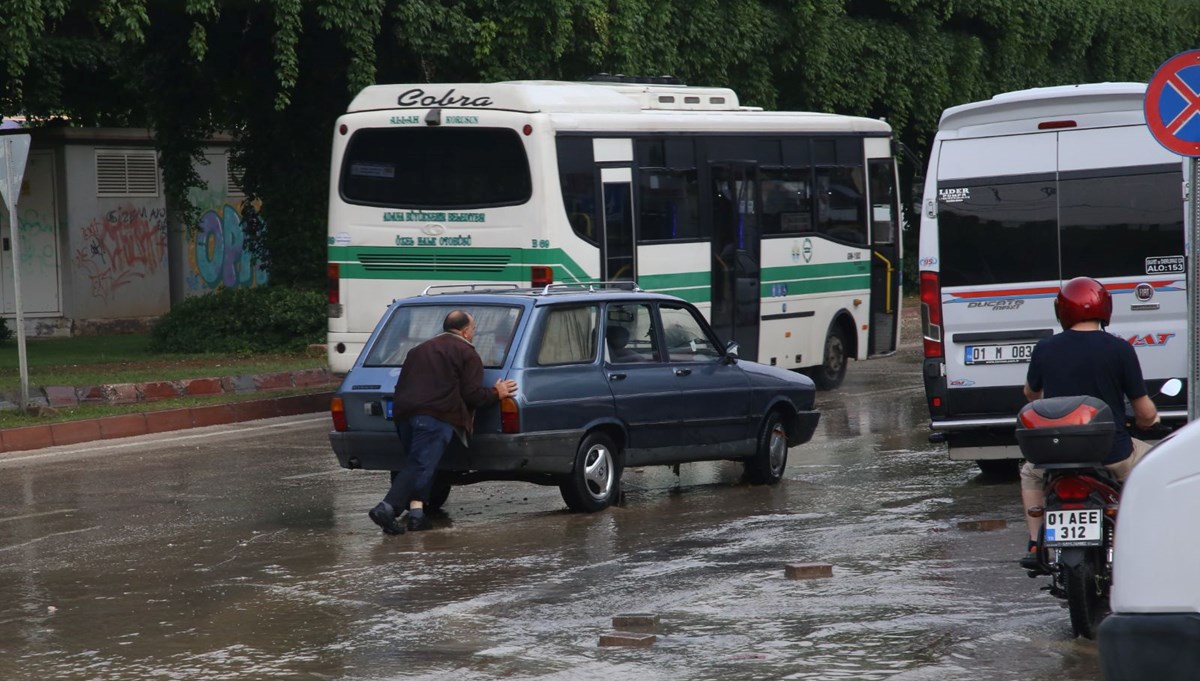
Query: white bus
x=1024, y=191
x=783, y=228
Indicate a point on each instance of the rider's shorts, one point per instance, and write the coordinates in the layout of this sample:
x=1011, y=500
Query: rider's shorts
x=1031, y=478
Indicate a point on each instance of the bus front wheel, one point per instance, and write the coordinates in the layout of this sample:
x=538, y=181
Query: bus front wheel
x=832, y=369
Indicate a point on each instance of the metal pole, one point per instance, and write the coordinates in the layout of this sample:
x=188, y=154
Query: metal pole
x=14, y=233
x=1193, y=295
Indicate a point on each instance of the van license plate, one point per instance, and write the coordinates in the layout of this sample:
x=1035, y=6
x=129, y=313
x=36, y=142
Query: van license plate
x=1080, y=527
x=998, y=354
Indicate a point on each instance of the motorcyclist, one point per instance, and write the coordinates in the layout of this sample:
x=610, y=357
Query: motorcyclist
x=1080, y=361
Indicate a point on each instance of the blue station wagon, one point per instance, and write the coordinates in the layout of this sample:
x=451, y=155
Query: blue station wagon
x=609, y=377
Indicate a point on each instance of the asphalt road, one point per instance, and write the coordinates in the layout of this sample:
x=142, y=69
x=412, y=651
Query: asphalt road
x=245, y=552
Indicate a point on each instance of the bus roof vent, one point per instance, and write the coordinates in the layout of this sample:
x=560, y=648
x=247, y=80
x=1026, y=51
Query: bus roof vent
x=646, y=80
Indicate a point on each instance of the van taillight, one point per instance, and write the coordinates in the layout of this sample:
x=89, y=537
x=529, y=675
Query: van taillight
x=510, y=418
x=540, y=275
x=332, y=273
x=337, y=409
x=931, y=315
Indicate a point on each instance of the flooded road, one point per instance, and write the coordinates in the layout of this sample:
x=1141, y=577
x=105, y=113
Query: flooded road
x=245, y=552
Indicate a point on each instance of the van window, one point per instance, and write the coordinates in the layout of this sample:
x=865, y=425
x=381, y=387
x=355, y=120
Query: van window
x=1112, y=222
x=998, y=231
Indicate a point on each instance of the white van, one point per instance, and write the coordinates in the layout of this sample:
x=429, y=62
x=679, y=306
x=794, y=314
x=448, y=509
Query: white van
x=1024, y=191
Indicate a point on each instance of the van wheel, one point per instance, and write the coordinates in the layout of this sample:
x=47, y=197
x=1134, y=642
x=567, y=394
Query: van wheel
x=832, y=370
x=594, y=483
x=770, y=457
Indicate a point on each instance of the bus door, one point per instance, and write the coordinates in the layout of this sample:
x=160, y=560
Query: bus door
x=617, y=251
x=736, y=254
x=885, y=256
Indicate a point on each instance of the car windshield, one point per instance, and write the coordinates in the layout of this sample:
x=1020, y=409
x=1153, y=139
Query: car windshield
x=410, y=325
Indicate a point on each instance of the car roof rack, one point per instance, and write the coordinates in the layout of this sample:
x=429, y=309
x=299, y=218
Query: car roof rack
x=483, y=287
x=592, y=286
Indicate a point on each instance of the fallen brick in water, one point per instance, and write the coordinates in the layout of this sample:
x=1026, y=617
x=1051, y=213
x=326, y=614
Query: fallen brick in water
x=636, y=621
x=630, y=639
x=982, y=525
x=808, y=570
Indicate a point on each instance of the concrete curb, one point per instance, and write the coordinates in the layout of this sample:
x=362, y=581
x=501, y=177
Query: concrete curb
x=128, y=425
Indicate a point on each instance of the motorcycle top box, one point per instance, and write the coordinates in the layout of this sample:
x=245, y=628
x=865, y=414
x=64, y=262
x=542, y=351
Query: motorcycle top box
x=1065, y=432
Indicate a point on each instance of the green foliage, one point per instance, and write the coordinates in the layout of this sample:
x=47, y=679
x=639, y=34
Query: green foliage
x=6, y=334
x=277, y=73
x=243, y=320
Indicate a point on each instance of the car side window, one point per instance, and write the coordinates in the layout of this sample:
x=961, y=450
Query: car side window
x=687, y=340
x=569, y=335
x=629, y=334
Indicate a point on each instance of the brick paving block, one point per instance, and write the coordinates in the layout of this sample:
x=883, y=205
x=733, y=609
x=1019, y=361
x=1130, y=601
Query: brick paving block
x=279, y=379
x=28, y=437
x=201, y=386
x=74, y=432
x=627, y=638
x=168, y=420
x=983, y=525
x=808, y=570
x=125, y=425
x=254, y=410
x=310, y=377
x=122, y=393
x=92, y=393
x=212, y=415
x=239, y=384
x=159, y=390
x=60, y=396
x=636, y=621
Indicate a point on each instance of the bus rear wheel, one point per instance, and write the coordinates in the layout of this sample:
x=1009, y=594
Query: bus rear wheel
x=832, y=370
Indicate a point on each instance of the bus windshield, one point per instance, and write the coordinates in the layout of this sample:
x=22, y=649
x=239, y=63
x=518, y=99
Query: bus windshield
x=435, y=167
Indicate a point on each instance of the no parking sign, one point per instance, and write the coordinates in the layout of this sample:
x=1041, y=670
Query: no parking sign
x=1172, y=104
x=1172, y=109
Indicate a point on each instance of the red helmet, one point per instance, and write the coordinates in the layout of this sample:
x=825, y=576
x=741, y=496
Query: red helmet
x=1083, y=299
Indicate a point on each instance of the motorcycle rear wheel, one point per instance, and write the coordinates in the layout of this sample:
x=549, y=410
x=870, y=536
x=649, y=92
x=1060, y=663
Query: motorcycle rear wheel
x=1087, y=599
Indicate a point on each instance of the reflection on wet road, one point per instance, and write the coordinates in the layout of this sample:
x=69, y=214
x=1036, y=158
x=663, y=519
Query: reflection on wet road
x=248, y=554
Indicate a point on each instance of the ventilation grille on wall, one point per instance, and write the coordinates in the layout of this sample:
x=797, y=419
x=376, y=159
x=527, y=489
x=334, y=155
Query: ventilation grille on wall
x=126, y=172
x=433, y=262
x=233, y=178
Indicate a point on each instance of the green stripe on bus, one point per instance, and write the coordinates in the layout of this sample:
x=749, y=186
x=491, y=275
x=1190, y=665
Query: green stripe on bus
x=510, y=264
x=659, y=282
x=837, y=269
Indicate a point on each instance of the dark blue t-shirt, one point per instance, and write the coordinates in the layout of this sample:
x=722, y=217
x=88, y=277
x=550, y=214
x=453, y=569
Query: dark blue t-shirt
x=1093, y=363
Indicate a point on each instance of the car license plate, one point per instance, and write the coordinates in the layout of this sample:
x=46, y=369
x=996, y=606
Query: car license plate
x=998, y=354
x=387, y=409
x=1079, y=527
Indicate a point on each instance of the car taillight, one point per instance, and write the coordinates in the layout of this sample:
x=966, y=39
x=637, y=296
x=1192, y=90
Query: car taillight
x=510, y=418
x=1071, y=489
x=338, y=411
x=333, y=276
x=540, y=275
x=931, y=315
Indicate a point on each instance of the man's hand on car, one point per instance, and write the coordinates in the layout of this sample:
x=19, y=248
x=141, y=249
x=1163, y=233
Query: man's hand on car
x=506, y=388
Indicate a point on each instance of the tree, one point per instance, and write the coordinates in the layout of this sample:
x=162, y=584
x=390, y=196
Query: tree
x=277, y=73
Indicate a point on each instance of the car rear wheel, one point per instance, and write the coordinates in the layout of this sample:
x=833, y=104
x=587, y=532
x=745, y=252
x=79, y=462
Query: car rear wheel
x=595, y=481
x=832, y=370
x=770, y=456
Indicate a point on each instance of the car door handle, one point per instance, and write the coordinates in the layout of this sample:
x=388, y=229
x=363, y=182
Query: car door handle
x=683, y=372
x=616, y=377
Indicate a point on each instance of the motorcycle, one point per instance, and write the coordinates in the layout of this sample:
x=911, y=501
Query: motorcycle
x=1069, y=438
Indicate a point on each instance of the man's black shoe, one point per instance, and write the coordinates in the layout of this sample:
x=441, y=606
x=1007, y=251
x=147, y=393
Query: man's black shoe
x=385, y=517
x=1033, y=563
x=419, y=524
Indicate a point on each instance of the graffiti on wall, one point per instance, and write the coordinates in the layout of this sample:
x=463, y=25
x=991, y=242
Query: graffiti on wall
x=217, y=256
x=123, y=246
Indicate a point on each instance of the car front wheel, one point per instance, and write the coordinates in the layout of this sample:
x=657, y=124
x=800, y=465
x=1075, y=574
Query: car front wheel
x=595, y=482
x=766, y=466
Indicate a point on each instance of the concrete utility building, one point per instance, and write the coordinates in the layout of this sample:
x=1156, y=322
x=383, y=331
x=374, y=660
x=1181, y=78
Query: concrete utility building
x=96, y=251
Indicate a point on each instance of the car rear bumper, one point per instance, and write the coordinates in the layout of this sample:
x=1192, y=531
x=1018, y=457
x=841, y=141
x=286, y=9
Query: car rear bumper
x=1159, y=646
x=536, y=453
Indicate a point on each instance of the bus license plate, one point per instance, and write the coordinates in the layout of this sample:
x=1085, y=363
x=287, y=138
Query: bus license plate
x=999, y=354
x=1081, y=527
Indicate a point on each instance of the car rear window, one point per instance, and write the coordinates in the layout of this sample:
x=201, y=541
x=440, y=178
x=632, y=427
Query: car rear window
x=410, y=325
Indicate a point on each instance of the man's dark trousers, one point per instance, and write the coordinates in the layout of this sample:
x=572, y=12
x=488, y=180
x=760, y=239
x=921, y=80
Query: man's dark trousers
x=424, y=439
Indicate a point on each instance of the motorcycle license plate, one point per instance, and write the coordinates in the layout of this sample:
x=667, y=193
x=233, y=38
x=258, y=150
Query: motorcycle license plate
x=1077, y=527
